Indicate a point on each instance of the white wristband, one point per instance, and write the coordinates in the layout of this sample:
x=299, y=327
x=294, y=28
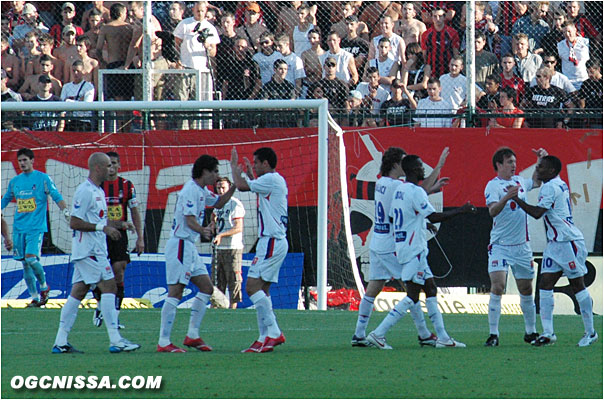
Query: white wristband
x=100, y=226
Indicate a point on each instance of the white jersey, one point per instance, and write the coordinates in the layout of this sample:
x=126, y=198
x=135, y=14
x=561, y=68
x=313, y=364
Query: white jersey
x=266, y=64
x=192, y=200
x=559, y=226
x=425, y=107
x=225, y=220
x=192, y=52
x=89, y=205
x=410, y=207
x=382, y=239
x=510, y=226
x=301, y=43
x=271, y=189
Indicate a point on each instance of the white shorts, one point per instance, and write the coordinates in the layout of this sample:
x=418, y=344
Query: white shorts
x=568, y=257
x=519, y=257
x=417, y=269
x=383, y=266
x=270, y=253
x=91, y=270
x=182, y=261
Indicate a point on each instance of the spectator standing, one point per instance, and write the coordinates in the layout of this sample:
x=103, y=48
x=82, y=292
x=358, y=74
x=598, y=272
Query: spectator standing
x=97, y=8
x=549, y=42
x=242, y=81
x=527, y=63
x=454, y=85
x=295, y=66
x=415, y=73
x=228, y=242
x=508, y=106
x=509, y=77
x=590, y=95
x=355, y=44
x=252, y=26
x=224, y=49
x=490, y=100
x=546, y=99
x=34, y=67
x=67, y=49
x=485, y=61
x=574, y=53
x=175, y=15
x=116, y=35
x=334, y=89
x=388, y=67
x=288, y=17
x=584, y=27
x=299, y=35
x=533, y=26
x=266, y=56
x=408, y=27
x=68, y=13
x=433, y=104
x=346, y=69
x=395, y=111
x=32, y=47
x=7, y=93
x=440, y=43
x=311, y=60
x=194, y=55
x=31, y=21
x=95, y=21
x=348, y=14
x=79, y=89
x=11, y=64
x=278, y=87
x=15, y=15
x=397, y=44
x=375, y=10
x=558, y=79
x=90, y=65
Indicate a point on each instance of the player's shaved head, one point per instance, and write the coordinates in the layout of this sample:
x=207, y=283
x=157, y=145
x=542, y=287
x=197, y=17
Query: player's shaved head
x=96, y=159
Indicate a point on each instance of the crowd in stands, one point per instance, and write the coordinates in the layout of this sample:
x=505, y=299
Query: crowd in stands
x=378, y=63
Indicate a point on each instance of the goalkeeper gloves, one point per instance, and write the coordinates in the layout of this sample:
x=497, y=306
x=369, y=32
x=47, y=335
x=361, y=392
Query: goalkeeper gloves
x=66, y=214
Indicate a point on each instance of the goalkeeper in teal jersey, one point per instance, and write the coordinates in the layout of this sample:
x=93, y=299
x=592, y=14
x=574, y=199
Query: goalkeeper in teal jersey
x=30, y=191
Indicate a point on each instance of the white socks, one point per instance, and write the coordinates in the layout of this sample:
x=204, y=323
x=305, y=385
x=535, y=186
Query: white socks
x=494, y=313
x=586, y=306
x=69, y=312
x=110, y=317
x=436, y=318
x=418, y=319
x=546, y=310
x=198, y=310
x=168, y=314
x=399, y=310
x=264, y=308
x=527, y=304
x=365, y=309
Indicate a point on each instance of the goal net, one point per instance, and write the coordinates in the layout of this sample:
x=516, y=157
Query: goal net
x=158, y=163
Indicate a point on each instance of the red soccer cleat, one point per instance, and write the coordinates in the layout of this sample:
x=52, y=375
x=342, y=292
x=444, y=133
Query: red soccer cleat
x=270, y=343
x=170, y=349
x=254, y=348
x=198, y=344
x=44, y=296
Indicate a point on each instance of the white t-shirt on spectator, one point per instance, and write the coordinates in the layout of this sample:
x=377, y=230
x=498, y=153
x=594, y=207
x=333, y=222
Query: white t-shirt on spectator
x=301, y=43
x=342, y=58
x=225, y=221
x=295, y=67
x=426, y=106
x=454, y=89
x=395, y=42
x=83, y=91
x=380, y=98
x=558, y=80
x=575, y=73
x=266, y=64
x=192, y=52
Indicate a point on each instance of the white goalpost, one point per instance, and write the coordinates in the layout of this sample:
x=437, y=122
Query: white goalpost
x=325, y=124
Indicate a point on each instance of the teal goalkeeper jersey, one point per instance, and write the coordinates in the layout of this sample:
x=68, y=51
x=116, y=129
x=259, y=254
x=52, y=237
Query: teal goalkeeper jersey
x=30, y=191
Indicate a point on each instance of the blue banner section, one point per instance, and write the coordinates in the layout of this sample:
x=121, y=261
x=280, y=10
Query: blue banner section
x=146, y=278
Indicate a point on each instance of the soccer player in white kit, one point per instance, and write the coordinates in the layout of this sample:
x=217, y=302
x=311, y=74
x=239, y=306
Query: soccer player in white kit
x=183, y=264
x=89, y=255
x=564, y=254
x=509, y=244
x=272, y=245
x=382, y=257
x=409, y=210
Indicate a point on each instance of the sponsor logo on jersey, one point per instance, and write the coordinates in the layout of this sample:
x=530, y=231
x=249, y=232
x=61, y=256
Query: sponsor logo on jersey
x=76, y=204
x=572, y=265
x=513, y=205
x=495, y=263
x=189, y=204
x=423, y=206
x=255, y=260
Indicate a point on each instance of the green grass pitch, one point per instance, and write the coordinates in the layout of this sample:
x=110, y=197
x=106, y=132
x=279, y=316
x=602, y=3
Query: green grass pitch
x=317, y=360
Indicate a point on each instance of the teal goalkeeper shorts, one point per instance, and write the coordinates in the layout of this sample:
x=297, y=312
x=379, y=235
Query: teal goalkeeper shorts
x=27, y=243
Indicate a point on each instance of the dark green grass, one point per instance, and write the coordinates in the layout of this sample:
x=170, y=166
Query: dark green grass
x=317, y=360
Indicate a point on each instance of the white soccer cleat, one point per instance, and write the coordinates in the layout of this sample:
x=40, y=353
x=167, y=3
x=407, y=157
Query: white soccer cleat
x=123, y=345
x=588, y=339
x=545, y=340
x=441, y=344
x=379, y=342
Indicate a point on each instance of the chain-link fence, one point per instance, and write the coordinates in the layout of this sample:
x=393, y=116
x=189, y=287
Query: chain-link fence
x=536, y=64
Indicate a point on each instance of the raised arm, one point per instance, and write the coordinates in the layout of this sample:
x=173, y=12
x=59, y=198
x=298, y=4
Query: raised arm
x=430, y=184
x=238, y=180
